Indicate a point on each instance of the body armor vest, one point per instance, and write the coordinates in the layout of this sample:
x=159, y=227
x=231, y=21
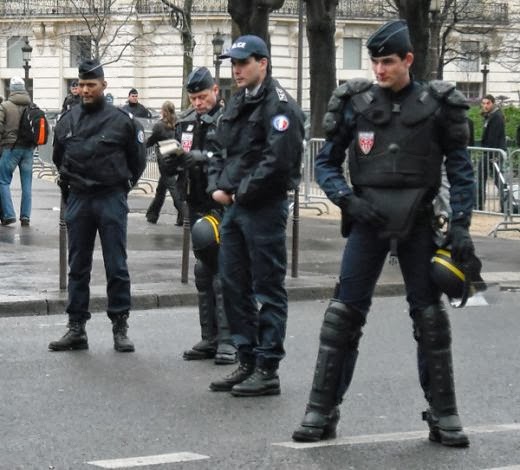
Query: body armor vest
x=393, y=145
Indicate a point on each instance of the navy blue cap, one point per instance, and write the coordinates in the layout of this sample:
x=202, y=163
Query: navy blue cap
x=391, y=38
x=90, y=68
x=199, y=79
x=246, y=46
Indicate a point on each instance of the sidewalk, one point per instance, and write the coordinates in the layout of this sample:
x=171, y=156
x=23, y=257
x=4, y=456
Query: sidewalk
x=29, y=278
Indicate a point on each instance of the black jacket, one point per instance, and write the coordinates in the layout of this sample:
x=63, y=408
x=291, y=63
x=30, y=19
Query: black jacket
x=70, y=101
x=494, y=135
x=198, y=132
x=99, y=150
x=138, y=110
x=160, y=132
x=260, y=142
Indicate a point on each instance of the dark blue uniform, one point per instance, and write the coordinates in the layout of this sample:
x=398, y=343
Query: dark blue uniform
x=100, y=155
x=261, y=138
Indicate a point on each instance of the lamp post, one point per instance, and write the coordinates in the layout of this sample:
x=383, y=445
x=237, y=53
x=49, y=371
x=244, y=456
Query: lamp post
x=484, y=59
x=218, y=43
x=435, y=8
x=26, y=56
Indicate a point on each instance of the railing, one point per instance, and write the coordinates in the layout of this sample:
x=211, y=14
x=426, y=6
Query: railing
x=479, y=11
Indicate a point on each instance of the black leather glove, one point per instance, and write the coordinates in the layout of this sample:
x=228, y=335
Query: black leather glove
x=462, y=248
x=195, y=157
x=359, y=210
x=169, y=164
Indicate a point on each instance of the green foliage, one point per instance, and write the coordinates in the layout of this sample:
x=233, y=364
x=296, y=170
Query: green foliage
x=512, y=116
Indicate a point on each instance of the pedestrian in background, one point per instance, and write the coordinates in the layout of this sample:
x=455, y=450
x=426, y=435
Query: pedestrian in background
x=100, y=154
x=397, y=133
x=261, y=143
x=73, y=98
x=15, y=153
x=133, y=106
x=196, y=132
x=493, y=136
x=163, y=129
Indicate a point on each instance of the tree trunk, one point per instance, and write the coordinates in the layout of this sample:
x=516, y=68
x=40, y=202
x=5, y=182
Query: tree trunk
x=321, y=26
x=415, y=12
x=188, y=44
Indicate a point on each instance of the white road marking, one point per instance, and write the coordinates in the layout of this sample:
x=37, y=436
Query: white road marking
x=511, y=467
x=148, y=460
x=392, y=437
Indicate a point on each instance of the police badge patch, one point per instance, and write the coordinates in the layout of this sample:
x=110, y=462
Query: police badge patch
x=366, y=141
x=140, y=137
x=281, y=123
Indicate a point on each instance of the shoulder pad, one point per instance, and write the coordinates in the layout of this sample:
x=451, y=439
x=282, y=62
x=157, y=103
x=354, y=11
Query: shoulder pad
x=441, y=88
x=282, y=95
x=352, y=87
x=188, y=115
x=125, y=112
x=457, y=98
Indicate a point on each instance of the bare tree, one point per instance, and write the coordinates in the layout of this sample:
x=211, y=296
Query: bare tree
x=109, y=28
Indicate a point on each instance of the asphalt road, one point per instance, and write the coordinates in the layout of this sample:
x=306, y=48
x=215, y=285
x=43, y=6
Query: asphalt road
x=90, y=409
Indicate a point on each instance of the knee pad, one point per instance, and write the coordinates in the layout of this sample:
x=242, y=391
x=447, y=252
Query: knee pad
x=433, y=325
x=203, y=276
x=341, y=326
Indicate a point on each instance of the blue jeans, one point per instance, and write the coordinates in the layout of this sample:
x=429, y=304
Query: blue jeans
x=252, y=266
x=23, y=159
x=86, y=215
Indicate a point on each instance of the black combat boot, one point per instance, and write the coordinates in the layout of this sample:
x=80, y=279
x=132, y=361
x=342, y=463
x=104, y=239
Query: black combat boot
x=260, y=382
x=244, y=370
x=121, y=341
x=206, y=348
x=433, y=334
x=226, y=351
x=74, y=338
x=337, y=354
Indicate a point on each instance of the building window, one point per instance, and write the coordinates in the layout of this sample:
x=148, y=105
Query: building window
x=352, y=53
x=470, y=56
x=80, y=49
x=225, y=85
x=471, y=90
x=14, y=51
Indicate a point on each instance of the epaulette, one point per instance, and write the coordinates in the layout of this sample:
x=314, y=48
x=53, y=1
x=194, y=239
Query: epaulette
x=126, y=113
x=282, y=96
x=447, y=92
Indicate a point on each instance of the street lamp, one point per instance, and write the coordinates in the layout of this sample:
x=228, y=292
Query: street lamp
x=218, y=44
x=26, y=56
x=435, y=8
x=484, y=59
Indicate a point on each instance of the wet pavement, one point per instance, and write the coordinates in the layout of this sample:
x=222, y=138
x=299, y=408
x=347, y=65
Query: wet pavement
x=29, y=259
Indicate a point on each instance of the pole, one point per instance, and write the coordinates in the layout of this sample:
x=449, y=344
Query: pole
x=63, y=246
x=296, y=203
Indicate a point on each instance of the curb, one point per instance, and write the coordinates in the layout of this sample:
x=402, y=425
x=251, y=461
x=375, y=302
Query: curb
x=145, y=301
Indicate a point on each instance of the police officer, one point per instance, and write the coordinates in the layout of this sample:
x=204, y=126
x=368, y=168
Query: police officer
x=100, y=154
x=133, y=106
x=73, y=98
x=195, y=130
x=261, y=138
x=396, y=133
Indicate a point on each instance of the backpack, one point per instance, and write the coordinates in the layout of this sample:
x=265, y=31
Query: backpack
x=33, y=129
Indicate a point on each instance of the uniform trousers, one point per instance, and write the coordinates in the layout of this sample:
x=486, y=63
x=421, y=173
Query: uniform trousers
x=252, y=266
x=85, y=216
x=362, y=263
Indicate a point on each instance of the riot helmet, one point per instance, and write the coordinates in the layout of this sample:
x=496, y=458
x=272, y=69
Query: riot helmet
x=205, y=239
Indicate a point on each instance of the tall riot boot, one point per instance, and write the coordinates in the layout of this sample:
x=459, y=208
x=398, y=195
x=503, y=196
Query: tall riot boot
x=337, y=354
x=207, y=347
x=75, y=338
x=120, y=328
x=433, y=333
x=226, y=350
